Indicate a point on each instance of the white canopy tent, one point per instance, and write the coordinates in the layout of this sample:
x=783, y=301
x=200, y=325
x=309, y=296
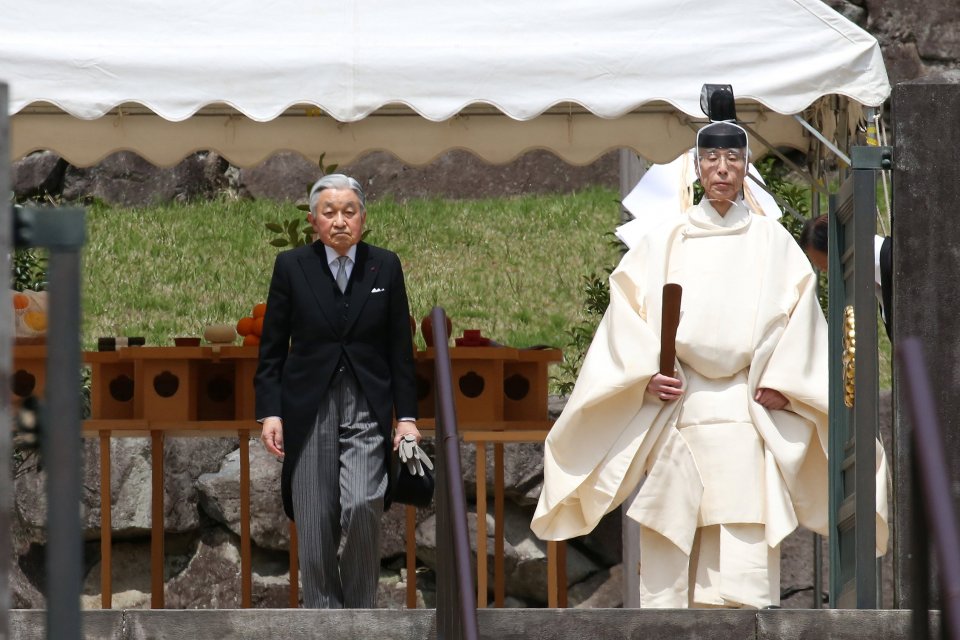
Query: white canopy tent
x=496, y=77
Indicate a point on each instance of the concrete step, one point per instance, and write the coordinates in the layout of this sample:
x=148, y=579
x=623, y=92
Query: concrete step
x=495, y=624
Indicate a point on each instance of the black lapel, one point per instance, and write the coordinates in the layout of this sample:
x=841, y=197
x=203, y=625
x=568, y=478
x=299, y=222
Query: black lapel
x=317, y=272
x=362, y=279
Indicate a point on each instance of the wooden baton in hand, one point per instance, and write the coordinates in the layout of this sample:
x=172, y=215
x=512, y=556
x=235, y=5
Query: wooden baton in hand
x=668, y=328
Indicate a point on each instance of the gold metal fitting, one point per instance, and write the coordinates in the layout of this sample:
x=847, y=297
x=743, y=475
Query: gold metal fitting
x=849, y=357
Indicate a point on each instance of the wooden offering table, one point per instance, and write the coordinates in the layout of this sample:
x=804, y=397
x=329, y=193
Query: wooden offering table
x=164, y=391
x=29, y=372
x=500, y=396
x=492, y=385
x=207, y=388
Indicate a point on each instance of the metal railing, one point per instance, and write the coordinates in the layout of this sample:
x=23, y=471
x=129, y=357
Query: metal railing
x=456, y=598
x=935, y=521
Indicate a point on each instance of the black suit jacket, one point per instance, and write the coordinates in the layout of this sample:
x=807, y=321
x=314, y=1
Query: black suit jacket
x=886, y=284
x=304, y=340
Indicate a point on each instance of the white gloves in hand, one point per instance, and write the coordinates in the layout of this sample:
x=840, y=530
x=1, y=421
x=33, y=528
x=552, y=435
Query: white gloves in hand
x=413, y=456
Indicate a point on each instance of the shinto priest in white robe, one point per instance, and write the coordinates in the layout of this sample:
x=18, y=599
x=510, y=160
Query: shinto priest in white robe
x=724, y=479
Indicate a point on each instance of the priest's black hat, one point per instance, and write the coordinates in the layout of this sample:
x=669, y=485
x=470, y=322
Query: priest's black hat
x=722, y=135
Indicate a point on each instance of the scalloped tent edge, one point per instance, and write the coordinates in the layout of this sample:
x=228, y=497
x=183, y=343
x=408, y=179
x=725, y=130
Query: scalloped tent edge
x=417, y=80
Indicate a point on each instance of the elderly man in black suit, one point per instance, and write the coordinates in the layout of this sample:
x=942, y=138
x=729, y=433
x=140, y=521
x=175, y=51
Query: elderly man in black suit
x=336, y=366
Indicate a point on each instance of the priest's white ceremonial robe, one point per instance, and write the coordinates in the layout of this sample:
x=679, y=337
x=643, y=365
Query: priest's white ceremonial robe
x=724, y=479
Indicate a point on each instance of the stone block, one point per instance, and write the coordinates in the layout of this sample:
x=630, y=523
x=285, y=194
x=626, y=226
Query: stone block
x=925, y=265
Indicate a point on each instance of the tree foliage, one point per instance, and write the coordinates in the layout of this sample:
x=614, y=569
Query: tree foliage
x=292, y=232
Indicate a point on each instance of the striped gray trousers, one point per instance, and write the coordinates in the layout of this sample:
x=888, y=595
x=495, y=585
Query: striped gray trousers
x=338, y=488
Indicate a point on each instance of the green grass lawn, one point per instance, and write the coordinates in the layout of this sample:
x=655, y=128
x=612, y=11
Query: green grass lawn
x=511, y=267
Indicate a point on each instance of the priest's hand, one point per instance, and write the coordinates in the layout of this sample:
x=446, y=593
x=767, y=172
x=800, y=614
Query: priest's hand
x=771, y=399
x=665, y=387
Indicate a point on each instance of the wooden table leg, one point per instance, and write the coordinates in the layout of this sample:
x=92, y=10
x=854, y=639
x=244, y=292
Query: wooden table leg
x=411, y=545
x=106, y=522
x=481, y=464
x=157, y=520
x=246, y=565
x=562, y=574
x=499, y=578
x=552, y=574
x=294, y=568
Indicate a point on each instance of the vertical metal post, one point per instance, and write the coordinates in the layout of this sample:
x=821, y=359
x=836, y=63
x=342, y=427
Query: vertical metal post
x=448, y=613
x=853, y=431
x=632, y=169
x=61, y=446
x=866, y=376
x=6, y=365
x=838, y=414
x=63, y=232
x=456, y=595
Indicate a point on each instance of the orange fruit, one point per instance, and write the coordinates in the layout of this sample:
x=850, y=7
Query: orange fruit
x=250, y=340
x=258, y=327
x=245, y=326
x=20, y=301
x=36, y=320
x=259, y=310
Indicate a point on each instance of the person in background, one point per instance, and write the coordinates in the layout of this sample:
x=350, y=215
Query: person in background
x=813, y=241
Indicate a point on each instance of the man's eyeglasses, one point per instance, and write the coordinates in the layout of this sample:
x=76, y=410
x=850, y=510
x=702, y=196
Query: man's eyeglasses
x=711, y=157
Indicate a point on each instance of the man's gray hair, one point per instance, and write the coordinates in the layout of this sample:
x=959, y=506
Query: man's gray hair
x=335, y=181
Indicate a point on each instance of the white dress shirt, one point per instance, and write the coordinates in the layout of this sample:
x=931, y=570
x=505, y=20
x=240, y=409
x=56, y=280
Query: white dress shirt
x=332, y=257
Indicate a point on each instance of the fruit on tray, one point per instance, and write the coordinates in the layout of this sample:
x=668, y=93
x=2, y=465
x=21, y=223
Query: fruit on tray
x=245, y=326
x=251, y=327
x=36, y=320
x=30, y=313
